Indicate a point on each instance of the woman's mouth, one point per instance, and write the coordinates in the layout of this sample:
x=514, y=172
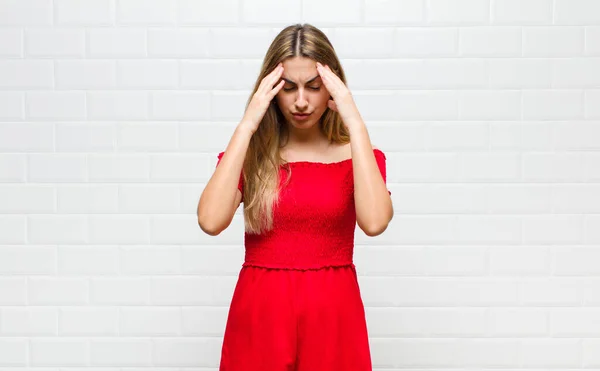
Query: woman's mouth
x=302, y=116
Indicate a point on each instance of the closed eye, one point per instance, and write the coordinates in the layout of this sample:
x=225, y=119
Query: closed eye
x=312, y=88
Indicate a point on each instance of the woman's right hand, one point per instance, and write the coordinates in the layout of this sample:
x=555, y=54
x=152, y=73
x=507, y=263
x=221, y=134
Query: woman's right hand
x=262, y=98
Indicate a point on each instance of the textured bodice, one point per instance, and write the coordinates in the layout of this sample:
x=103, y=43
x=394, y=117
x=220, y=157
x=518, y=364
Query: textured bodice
x=315, y=219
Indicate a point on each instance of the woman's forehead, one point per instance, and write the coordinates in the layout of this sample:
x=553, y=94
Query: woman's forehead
x=300, y=71
x=299, y=63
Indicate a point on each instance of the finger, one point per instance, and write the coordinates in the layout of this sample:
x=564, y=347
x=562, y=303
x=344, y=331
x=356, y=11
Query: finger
x=270, y=80
x=331, y=81
x=325, y=77
x=329, y=73
x=276, y=89
x=335, y=87
x=334, y=80
x=322, y=72
x=277, y=76
x=272, y=74
x=274, y=70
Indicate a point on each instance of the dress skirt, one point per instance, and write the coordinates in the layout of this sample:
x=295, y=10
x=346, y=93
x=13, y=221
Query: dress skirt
x=301, y=320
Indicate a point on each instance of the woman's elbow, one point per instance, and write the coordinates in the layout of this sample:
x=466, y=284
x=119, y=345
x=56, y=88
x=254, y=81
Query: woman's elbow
x=208, y=229
x=206, y=220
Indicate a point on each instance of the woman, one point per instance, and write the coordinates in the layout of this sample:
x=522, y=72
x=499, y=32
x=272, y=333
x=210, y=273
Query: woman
x=307, y=173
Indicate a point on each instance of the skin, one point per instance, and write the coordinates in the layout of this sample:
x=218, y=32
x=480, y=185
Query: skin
x=298, y=96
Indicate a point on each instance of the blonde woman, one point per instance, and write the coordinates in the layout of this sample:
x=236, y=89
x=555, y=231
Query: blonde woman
x=302, y=163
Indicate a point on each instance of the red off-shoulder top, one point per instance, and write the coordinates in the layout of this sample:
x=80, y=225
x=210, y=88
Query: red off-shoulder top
x=314, y=220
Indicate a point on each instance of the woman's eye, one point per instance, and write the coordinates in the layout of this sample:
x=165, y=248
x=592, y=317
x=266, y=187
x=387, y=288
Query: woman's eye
x=312, y=88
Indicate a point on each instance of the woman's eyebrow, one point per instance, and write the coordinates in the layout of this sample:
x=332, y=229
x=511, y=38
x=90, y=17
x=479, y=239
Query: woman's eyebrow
x=308, y=82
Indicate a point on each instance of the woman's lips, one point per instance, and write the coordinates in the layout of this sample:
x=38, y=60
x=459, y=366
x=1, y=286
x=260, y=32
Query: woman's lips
x=301, y=116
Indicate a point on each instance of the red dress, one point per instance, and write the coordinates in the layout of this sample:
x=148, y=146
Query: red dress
x=297, y=303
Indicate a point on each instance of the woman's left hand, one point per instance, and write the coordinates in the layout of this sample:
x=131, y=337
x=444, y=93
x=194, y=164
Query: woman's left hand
x=342, y=101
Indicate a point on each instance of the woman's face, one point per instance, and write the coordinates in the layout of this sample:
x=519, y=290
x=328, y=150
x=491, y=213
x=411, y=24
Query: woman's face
x=302, y=92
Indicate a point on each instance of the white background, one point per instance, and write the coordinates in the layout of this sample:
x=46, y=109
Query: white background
x=112, y=113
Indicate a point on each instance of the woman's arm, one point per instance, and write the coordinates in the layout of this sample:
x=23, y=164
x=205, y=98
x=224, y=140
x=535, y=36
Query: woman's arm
x=221, y=196
x=372, y=199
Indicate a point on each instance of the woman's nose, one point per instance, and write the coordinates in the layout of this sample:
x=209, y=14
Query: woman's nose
x=301, y=99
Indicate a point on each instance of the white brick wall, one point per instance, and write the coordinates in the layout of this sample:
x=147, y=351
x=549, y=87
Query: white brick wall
x=112, y=113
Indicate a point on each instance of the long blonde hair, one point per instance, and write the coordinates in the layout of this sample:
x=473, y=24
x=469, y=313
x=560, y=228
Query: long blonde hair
x=263, y=160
